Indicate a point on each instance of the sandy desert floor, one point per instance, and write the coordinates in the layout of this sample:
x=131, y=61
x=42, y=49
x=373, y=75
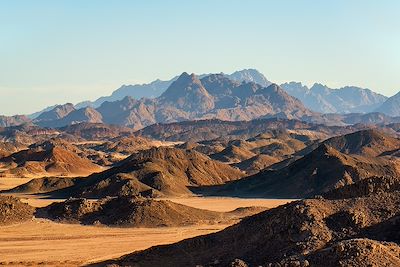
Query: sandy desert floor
x=7, y=183
x=53, y=244
x=43, y=242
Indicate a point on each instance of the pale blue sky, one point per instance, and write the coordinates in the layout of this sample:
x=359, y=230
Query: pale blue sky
x=67, y=51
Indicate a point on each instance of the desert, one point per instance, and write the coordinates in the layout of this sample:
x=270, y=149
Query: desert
x=207, y=133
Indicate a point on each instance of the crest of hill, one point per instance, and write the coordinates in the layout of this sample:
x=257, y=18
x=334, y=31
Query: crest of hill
x=96, y=131
x=320, y=171
x=156, y=171
x=368, y=142
x=58, y=112
x=54, y=157
x=315, y=232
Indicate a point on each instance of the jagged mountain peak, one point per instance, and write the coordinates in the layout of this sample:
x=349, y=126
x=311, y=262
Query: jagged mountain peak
x=250, y=75
x=58, y=112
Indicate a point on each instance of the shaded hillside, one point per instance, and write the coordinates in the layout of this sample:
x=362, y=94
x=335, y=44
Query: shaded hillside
x=134, y=212
x=312, y=232
x=322, y=170
x=257, y=163
x=157, y=171
x=43, y=185
x=332, y=165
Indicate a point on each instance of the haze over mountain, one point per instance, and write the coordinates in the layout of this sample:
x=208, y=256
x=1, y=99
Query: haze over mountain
x=391, y=106
x=157, y=87
x=349, y=99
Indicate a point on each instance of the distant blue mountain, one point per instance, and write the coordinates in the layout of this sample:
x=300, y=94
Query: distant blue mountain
x=349, y=99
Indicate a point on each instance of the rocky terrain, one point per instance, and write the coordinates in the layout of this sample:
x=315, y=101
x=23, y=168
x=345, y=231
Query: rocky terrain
x=136, y=212
x=123, y=163
x=12, y=210
x=54, y=157
x=303, y=233
x=336, y=162
x=155, y=172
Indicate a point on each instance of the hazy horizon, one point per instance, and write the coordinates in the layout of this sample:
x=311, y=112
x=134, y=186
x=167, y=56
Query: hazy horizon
x=71, y=51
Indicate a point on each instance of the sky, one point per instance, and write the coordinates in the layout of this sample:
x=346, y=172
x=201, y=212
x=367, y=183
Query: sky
x=53, y=52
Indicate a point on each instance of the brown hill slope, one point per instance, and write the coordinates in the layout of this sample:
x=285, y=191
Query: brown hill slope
x=302, y=233
x=232, y=154
x=322, y=170
x=161, y=170
x=132, y=212
x=54, y=157
x=257, y=163
x=12, y=210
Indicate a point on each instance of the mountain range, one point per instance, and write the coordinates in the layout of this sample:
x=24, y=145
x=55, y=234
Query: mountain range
x=349, y=99
x=189, y=97
x=242, y=95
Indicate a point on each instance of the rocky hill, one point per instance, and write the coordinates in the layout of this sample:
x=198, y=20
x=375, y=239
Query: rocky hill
x=131, y=212
x=370, y=142
x=155, y=172
x=321, y=170
x=12, y=210
x=315, y=232
x=48, y=158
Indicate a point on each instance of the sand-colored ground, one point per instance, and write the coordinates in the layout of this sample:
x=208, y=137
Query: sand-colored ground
x=228, y=203
x=8, y=183
x=53, y=244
